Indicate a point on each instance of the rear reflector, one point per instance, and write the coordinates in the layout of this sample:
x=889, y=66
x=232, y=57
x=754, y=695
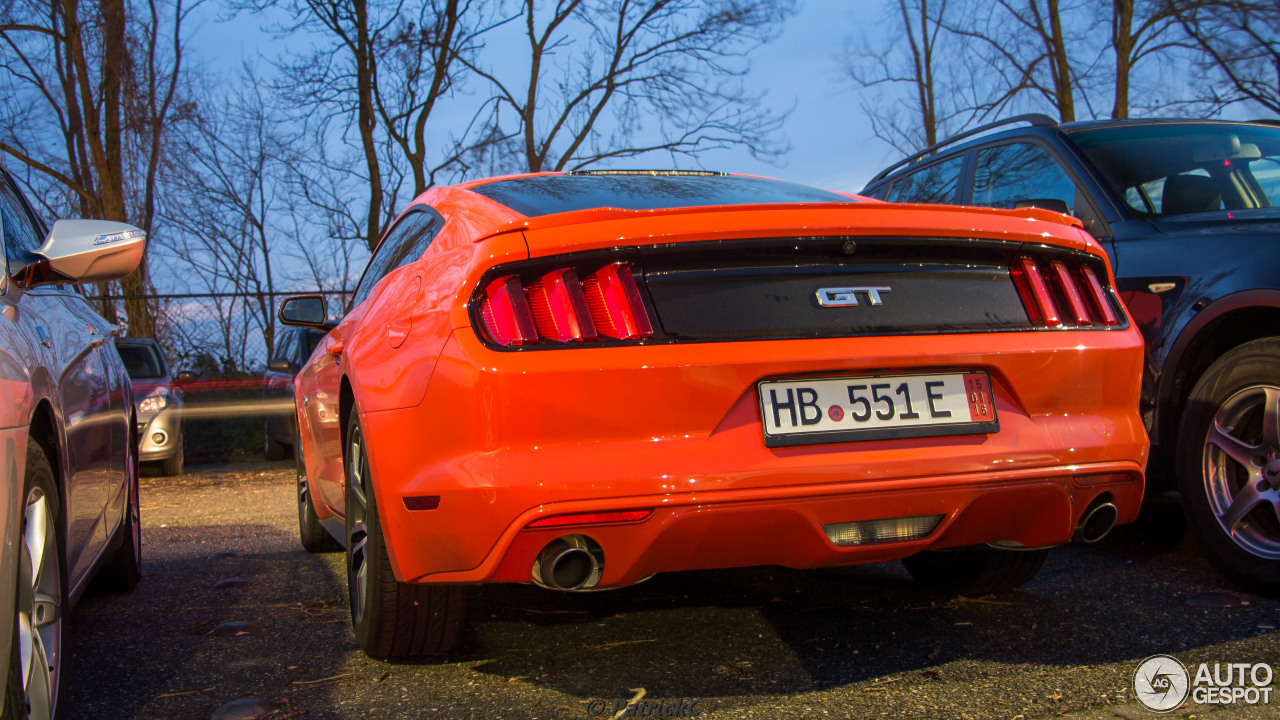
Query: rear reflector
x=422, y=502
x=869, y=532
x=612, y=516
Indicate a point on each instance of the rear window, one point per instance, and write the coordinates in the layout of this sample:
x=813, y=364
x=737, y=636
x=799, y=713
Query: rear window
x=1183, y=168
x=551, y=194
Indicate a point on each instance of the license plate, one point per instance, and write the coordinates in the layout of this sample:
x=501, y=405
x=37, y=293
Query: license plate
x=810, y=411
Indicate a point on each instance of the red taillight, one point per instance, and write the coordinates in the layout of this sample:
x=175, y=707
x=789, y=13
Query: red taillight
x=504, y=312
x=1078, y=286
x=614, y=301
x=1042, y=300
x=613, y=516
x=559, y=308
x=1099, y=296
x=1067, y=285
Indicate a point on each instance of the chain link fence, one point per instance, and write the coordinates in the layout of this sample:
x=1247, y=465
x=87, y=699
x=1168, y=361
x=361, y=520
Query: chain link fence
x=216, y=334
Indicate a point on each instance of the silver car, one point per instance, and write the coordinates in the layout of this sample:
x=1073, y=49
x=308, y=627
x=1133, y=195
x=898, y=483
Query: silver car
x=159, y=403
x=68, y=446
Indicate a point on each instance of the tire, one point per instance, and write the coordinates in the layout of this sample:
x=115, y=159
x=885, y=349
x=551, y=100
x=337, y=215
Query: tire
x=315, y=539
x=390, y=618
x=1229, y=464
x=14, y=701
x=123, y=570
x=42, y=600
x=272, y=449
x=175, y=464
x=975, y=571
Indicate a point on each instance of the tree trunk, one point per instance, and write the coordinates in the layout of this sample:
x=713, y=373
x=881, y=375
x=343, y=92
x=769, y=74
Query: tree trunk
x=1061, y=66
x=366, y=71
x=1122, y=43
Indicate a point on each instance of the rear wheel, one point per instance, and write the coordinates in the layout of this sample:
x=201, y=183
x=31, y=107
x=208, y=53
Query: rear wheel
x=1229, y=464
x=390, y=618
x=272, y=449
x=123, y=570
x=41, y=601
x=975, y=571
x=313, y=535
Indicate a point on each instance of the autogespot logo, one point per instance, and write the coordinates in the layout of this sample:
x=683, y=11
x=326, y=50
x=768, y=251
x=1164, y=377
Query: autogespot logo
x=1161, y=683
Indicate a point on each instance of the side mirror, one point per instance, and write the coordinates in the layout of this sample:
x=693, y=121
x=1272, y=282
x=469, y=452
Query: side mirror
x=1054, y=204
x=304, y=311
x=283, y=366
x=85, y=251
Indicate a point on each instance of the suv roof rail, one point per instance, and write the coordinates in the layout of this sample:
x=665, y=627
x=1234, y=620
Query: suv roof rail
x=1267, y=121
x=1034, y=119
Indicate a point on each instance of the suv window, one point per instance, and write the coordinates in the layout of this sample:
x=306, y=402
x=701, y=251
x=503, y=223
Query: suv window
x=1018, y=174
x=285, y=343
x=313, y=338
x=937, y=183
x=22, y=235
x=403, y=244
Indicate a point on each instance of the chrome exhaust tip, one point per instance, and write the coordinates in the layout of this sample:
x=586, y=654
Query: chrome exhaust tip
x=1096, y=522
x=572, y=562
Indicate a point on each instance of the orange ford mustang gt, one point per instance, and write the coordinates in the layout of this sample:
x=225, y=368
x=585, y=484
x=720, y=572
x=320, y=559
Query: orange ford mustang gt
x=580, y=380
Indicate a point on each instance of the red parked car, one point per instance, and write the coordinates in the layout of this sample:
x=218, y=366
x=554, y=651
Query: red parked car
x=580, y=380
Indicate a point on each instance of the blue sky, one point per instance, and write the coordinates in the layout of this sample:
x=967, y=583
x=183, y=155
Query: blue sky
x=830, y=137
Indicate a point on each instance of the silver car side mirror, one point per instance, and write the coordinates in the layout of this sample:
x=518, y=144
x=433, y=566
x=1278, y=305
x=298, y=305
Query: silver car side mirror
x=85, y=251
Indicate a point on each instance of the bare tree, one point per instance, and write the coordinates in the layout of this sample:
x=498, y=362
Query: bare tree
x=1239, y=46
x=373, y=86
x=1139, y=29
x=927, y=109
x=95, y=89
x=596, y=68
x=1027, y=50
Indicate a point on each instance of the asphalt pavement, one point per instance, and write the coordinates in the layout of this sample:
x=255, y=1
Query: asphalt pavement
x=234, y=619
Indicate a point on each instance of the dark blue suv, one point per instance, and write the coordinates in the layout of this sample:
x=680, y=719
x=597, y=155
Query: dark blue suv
x=1189, y=212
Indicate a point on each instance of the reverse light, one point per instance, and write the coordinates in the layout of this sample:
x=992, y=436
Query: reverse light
x=595, y=518
x=154, y=403
x=870, y=532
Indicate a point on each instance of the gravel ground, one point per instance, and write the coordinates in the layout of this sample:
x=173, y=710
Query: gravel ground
x=755, y=643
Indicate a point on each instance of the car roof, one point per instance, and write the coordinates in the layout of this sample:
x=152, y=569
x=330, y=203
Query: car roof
x=136, y=341
x=1036, y=125
x=554, y=193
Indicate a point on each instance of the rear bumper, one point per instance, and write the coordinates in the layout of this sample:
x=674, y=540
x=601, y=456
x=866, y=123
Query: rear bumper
x=506, y=438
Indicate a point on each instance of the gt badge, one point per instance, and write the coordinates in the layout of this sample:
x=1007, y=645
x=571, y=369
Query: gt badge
x=848, y=296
